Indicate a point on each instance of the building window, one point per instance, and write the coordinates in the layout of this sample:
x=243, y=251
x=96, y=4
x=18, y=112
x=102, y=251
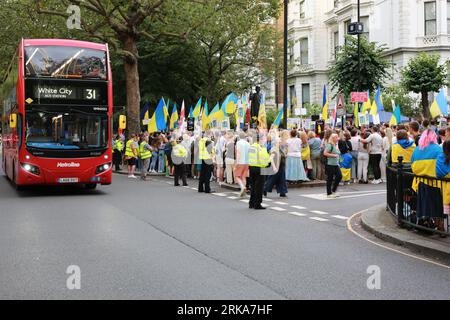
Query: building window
x=336, y=47
x=346, y=24
x=304, y=59
x=430, y=18
x=305, y=94
x=292, y=97
x=448, y=17
x=302, y=9
x=365, y=22
x=336, y=2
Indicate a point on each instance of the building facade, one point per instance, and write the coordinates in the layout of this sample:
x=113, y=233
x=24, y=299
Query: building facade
x=317, y=30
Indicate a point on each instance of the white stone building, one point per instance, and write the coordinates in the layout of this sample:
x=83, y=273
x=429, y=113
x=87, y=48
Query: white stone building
x=317, y=29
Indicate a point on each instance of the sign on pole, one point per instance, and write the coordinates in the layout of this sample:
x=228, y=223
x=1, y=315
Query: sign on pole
x=359, y=97
x=340, y=105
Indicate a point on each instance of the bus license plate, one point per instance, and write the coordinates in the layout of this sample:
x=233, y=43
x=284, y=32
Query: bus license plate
x=67, y=180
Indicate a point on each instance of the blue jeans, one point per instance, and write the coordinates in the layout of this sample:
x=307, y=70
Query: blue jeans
x=154, y=159
x=161, y=161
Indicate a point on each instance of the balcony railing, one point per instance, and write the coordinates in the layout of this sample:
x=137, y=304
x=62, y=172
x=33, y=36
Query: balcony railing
x=435, y=40
x=301, y=68
x=300, y=23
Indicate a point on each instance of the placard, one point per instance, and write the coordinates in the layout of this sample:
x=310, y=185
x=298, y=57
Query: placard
x=293, y=123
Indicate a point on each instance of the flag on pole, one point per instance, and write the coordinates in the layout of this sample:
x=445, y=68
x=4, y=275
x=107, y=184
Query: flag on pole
x=262, y=119
x=229, y=104
x=434, y=109
x=145, y=112
x=277, y=121
x=191, y=113
x=174, y=117
x=441, y=101
x=205, y=117
x=379, y=100
x=182, y=116
x=197, y=109
x=325, y=104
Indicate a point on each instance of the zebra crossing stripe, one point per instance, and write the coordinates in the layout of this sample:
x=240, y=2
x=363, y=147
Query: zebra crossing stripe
x=277, y=208
x=219, y=194
x=281, y=203
x=340, y=217
x=319, y=212
x=318, y=219
x=245, y=200
x=297, y=214
x=298, y=207
x=233, y=198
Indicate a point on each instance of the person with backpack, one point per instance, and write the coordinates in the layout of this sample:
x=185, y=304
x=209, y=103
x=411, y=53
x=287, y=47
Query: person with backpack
x=314, y=145
x=333, y=172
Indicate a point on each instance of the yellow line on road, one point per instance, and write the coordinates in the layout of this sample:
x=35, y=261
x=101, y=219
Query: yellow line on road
x=350, y=228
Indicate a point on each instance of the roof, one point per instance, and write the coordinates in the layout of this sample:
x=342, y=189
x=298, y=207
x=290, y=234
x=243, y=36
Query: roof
x=64, y=42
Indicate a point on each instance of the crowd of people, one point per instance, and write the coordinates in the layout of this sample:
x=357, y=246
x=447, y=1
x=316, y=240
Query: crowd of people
x=339, y=156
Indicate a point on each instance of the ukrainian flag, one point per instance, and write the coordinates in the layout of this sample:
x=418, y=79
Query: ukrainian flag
x=205, y=118
x=197, y=109
x=346, y=166
x=174, y=117
x=277, y=121
x=325, y=103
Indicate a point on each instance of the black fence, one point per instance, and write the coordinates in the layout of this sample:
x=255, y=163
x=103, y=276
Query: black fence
x=417, y=201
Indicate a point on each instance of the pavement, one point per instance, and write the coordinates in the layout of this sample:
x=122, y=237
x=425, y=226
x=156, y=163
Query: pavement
x=381, y=223
x=150, y=240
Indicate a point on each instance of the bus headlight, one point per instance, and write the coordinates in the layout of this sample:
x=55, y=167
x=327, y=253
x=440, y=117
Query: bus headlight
x=103, y=168
x=30, y=168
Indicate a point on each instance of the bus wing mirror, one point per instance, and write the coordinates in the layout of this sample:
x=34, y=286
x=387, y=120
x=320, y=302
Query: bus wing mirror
x=122, y=122
x=13, y=121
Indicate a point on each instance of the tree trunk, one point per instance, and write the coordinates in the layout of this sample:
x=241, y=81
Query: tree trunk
x=132, y=86
x=425, y=107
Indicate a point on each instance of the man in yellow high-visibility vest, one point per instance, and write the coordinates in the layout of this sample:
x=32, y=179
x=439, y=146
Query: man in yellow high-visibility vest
x=131, y=155
x=179, y=154
x=206, y=156
x=258, y=158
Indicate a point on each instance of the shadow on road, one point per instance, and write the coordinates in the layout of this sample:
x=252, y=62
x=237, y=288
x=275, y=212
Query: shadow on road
x=40, y=191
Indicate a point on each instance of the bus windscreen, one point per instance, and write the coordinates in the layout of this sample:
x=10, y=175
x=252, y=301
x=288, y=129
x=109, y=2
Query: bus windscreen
x=65, y=62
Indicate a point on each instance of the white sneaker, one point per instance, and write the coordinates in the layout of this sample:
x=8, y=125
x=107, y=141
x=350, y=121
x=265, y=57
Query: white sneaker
x=242, y=194
x=377, y=181
x=132, y=176
x=331, y=196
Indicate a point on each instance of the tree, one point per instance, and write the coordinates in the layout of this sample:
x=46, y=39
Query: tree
x=346, y=76
x=424, y=74
x=409, y=105
x=237, y=48
x=123, y=23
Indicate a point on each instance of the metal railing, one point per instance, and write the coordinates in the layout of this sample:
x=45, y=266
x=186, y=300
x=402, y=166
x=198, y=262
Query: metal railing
x=404, y=203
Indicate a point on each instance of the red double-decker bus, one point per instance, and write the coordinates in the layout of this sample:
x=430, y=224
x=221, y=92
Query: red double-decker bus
x=57, y=111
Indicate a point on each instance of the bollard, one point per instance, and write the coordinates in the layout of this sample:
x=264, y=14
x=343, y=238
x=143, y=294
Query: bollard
x=400, y=216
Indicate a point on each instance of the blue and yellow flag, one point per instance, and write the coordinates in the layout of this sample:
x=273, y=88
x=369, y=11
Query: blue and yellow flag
x=230, y=103
x=205, y=117
x=145, y=112
x=277, y=121
x=191, y=113
x=197, y=109
x=325, y=103
x=441, y=101
x=174, y=117
x=216, y=115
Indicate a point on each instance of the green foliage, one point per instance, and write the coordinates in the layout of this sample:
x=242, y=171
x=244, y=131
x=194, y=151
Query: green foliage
x=313, y=109
x=409, y=106
x=424, y=74
x=373, y=69
x=271, y=115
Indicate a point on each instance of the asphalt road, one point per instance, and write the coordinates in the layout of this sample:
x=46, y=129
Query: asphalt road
x=151, y=240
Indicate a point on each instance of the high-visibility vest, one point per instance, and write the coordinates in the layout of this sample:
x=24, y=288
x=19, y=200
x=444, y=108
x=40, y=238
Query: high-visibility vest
x=179, y=151
x=136, y=147
x=258, y=156
x=118, y=145
x=203, y=151
x=397, y=151
x=128, y=151
x=144, y=152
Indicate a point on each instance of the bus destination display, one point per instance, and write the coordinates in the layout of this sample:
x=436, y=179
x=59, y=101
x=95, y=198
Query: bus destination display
x=65, y=92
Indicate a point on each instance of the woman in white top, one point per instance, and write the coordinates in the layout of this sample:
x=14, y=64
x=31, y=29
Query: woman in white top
x=387, y=142
x=363, y=158
x=294, y=165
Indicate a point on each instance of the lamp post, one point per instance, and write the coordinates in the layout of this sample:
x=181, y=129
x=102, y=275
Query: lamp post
x=285, y=64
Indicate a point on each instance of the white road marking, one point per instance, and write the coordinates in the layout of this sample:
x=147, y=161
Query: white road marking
x=323, y=197
x=219, y=194
x=264, y=205
x=340, y=217
x=297, y=214
x=319, y=212
x=186, y=187
x=277, y=208
x=281, y=203
x=319, y=219
x=233, y=198
x=245, y=200
x=194, y=188
x=298, y=207
x=268, y=200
